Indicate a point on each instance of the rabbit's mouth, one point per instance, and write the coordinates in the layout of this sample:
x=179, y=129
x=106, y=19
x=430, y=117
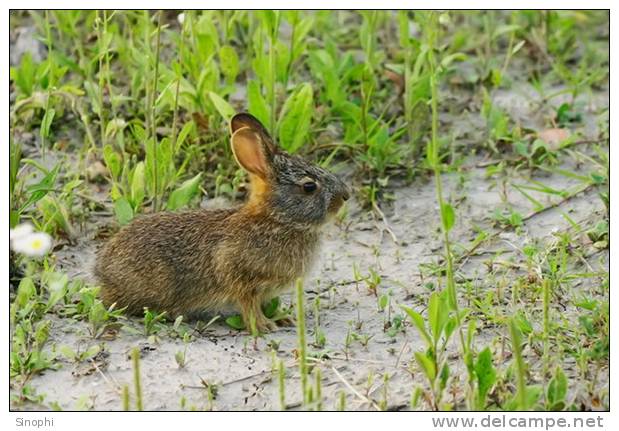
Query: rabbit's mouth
x=335, y=205
x=338, y=200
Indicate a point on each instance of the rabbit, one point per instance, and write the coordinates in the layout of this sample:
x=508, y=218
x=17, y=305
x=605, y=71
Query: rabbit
x=206, y=260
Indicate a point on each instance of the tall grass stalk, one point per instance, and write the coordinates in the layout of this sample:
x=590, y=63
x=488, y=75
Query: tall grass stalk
x=179, y=76
x=293, y=29
x=520, y=369
x=546, y=291
x=151, y=114
x=430, y=28
x=50, y=85
x=135, y=356
x=408, y=64
x=273, y=71
x=281, y=377
x=341, y=405
x=101, y=25
x=301, y=338
x=125, y=398
x=318, y=376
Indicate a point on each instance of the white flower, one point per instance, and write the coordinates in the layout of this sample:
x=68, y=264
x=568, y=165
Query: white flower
x=33, y=244
x=181, y=18
x=20, y=231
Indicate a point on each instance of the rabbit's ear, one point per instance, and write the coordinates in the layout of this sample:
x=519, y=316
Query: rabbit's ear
x=247, y=120
x=251, y=152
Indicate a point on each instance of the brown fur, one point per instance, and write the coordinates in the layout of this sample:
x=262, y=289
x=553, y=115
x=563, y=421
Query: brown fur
x=206, y=259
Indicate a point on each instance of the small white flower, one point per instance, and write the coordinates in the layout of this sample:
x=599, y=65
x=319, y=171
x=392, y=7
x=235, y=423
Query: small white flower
x=181, y=18
x=20, y=231
x=34, y=244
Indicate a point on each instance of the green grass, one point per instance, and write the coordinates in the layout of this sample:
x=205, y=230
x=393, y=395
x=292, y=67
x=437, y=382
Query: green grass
x=127, y=114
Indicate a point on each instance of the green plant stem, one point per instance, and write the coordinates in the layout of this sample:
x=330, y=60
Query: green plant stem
x=108, y=74
x=301, y=338
x=546, y=287
x=152, y=116
x=135, y=354
x=451, y=285
x=272, y=72
x=52, y=74
x=341, y=405
x=408, y=109
x=318, y=389
x=126, y=398
x=281, y=374
x=520, y=370
x=178, y=87
x=102, y=117
x=291, y=59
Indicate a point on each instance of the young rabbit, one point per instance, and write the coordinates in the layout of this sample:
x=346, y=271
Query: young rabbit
x=206, y=259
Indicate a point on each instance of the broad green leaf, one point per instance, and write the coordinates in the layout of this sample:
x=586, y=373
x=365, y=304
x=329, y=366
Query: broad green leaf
x=419, y=323
x=271, y=308
x=486, y=376
x=123, y=211
x=25, y=291
x=533, y=393
x=47, y=122
x=92, y=351
x=13, y=218
x=404, y=28
x=235, y=322
x=39, y=190
x=270, y=20
x=25, y=75
x=382, y=301
x=456, y=56
x=137, y=186
x=114, y=126
x=444, y=376
x=183, y=195
x=427, y=365
x=112, y=161
x=523, y=323
x=182, y=136
x=450, y=326
x=56, y=285
x=438, y=313
x=67, y=352
x=229, y=62
x=257, y=104
x=448, y=216
x=295, y=119
x=505, y=28
x=557, y=388
x=92, y=91
x=223, y=107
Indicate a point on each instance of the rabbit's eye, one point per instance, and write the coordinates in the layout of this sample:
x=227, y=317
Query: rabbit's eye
x=309, y=186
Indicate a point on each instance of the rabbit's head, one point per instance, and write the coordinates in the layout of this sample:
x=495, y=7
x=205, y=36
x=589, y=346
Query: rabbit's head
x=290, y=188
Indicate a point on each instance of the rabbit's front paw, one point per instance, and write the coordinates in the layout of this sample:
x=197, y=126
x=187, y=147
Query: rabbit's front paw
x=286, y=322
x=265, y=325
